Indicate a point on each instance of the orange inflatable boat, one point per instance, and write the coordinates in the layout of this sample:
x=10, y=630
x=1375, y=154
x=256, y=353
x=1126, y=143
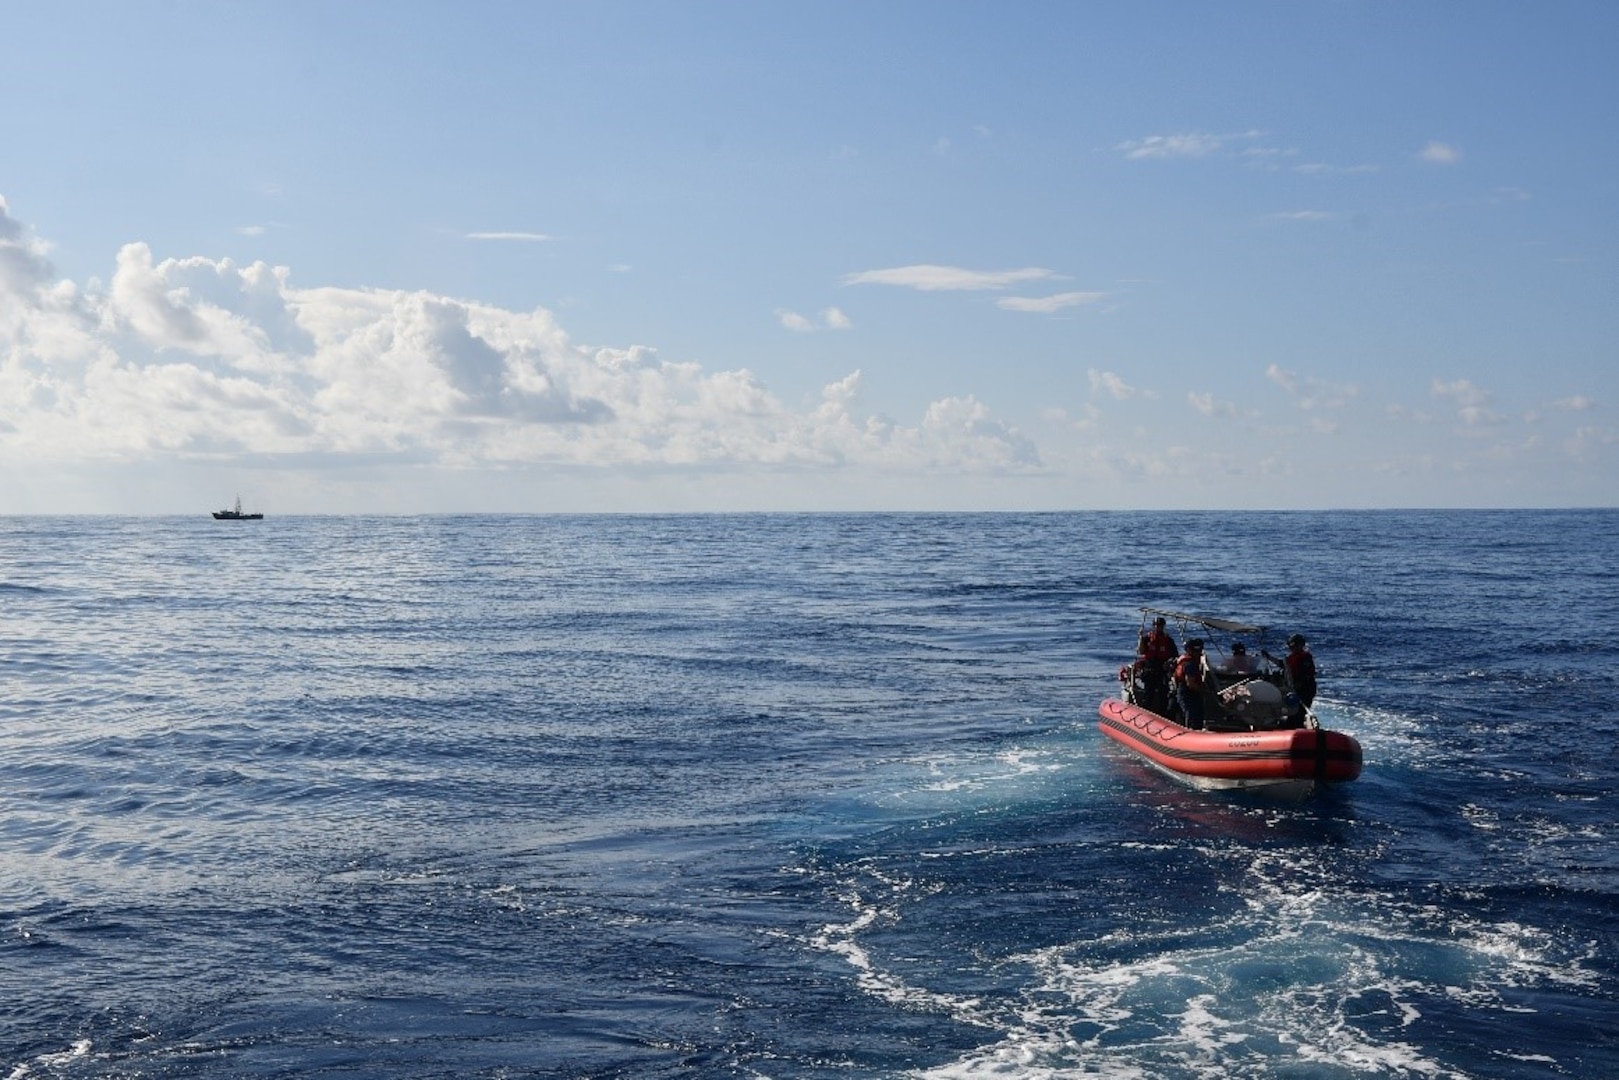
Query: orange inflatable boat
x=1253, y=730
x=1233, y=759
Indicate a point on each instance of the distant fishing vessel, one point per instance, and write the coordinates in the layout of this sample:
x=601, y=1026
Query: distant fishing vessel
x=1254, y=734
x=236, y=514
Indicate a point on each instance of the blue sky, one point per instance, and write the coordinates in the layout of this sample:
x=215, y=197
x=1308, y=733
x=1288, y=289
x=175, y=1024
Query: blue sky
x=429, y=257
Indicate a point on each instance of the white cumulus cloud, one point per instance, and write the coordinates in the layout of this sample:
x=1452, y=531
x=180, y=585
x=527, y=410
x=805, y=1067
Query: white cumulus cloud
x=1311, y=393
x=203, y=359
x=1472, y=404
x=24, y=263
x=795, y=322
x=1114, y=386
x=1207, y=404
x=831, y=319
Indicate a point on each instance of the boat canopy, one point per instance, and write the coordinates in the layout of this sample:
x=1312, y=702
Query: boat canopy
x=1230, y=626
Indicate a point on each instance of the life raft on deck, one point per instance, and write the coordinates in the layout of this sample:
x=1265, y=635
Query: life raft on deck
x=1232, y=758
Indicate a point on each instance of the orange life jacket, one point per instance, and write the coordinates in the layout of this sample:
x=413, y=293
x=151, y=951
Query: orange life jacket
x=1189, y=672
x=1159, y=646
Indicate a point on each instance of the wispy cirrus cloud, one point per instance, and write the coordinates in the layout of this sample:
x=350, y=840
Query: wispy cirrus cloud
x=516, y=237
x=1047, y=305
x=1267, y=156
x=1576, y=403
x=929, y=277
x=1305, y=215
x=1160, y=147
x=1321, y=168
x=1249, y=147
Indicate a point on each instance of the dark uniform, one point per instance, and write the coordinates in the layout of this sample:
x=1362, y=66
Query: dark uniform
x=1300, y=666
x=1189, y=684
x=1158, y=652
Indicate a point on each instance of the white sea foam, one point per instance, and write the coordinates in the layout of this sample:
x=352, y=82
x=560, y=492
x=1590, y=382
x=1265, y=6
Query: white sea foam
x=61, y=1059
x=840, y=939
x=1305, y=974
x=992, y=773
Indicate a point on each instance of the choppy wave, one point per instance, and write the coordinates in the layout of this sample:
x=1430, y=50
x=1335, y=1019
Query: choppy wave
x=791, y=796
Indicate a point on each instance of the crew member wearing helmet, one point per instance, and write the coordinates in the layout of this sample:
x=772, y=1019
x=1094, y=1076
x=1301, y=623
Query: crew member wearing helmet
x=1300, y=667
x=1189, y=683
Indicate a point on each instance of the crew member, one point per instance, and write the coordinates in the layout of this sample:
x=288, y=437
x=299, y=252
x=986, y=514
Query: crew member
x=1241, y=663
x=1300, y=665
x=1158, y=652
x=1189, y=684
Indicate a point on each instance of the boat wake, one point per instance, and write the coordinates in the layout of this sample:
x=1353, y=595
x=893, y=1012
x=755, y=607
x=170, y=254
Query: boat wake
x=1281, y=959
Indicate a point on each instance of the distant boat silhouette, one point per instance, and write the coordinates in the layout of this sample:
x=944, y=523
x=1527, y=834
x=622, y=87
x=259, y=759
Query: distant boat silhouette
x=236, y=514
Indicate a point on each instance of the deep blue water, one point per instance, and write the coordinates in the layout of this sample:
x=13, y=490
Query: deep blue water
x=793, y=796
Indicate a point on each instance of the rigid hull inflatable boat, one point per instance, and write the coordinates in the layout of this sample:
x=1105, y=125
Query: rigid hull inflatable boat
x=1254, y=732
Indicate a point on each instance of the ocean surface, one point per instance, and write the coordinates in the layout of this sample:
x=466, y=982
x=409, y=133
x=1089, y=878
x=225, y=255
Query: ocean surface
x=793, y=796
